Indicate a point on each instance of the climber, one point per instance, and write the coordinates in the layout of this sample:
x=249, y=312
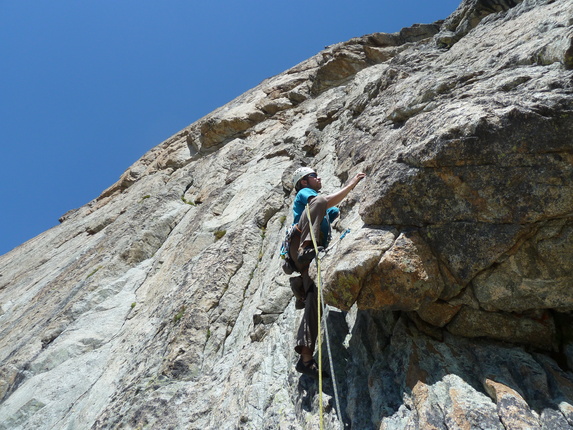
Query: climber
x=323, y=212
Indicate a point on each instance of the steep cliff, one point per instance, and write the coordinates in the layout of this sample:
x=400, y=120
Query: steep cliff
x=162, y=305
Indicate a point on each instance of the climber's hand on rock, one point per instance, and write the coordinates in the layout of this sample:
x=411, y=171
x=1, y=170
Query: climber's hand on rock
x=357, y=179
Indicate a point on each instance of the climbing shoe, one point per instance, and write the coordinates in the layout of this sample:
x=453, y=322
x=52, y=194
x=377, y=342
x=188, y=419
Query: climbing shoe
x=310, y=368
x=307, y=254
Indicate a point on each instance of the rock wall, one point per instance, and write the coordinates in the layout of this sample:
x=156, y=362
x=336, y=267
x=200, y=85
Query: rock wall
x=162, y=305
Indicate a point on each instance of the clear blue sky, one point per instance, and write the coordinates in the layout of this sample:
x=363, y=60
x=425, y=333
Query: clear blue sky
x=88, y=86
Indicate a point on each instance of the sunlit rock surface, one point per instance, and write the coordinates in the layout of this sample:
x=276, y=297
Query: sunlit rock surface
x=162, y=304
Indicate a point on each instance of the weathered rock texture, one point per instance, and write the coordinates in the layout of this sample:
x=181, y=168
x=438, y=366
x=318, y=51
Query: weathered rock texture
x=162, y=305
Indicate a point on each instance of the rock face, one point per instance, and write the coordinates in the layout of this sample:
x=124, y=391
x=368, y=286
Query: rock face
x=162, y=305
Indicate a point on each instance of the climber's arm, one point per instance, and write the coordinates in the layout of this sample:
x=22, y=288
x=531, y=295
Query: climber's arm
x=335, y=198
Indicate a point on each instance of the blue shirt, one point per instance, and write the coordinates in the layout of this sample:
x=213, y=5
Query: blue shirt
x=300, y=202
x=299, y=207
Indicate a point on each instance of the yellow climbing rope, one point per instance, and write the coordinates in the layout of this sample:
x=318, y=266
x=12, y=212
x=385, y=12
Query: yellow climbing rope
x=318, y=296
x=320, y=300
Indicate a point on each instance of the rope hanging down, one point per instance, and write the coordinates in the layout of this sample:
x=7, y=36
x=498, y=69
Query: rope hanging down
x=320, y=301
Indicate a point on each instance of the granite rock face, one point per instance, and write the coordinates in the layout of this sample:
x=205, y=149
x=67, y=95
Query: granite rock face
x=162, y=305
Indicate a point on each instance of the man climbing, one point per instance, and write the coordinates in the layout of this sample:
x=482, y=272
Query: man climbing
x=323, y=211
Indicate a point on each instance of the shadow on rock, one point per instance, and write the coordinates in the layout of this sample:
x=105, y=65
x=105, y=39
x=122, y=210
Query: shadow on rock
x=406, y=378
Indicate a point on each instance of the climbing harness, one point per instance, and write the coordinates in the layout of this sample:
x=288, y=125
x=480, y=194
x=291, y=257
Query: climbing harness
x=320, y=301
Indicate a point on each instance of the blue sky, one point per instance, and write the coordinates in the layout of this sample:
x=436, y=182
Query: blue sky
x=88, y=86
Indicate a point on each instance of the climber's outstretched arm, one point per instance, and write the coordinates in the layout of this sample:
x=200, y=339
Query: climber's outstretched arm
x=335, y=198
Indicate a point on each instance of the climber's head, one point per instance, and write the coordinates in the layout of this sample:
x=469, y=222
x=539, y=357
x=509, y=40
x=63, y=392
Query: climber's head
x=306, y=177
